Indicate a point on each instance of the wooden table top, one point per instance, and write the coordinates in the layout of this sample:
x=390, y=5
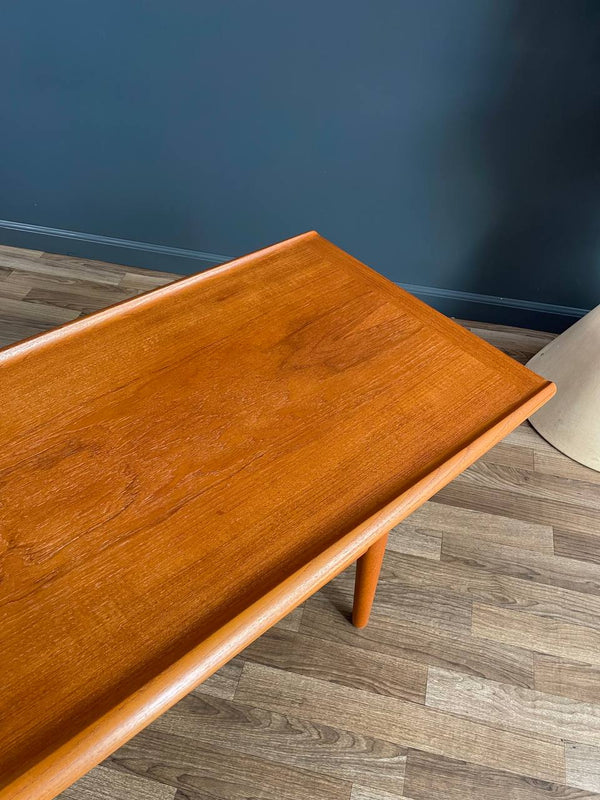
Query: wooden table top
x=180, y=470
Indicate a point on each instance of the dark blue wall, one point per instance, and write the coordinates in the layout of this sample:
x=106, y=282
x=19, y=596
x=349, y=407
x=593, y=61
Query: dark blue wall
x=448, y=143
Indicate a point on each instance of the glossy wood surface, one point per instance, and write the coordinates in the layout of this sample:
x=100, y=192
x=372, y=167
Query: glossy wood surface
x=182, y=469
x=368, y=568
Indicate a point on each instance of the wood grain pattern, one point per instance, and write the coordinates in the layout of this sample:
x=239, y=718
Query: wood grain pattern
x=14, y=285
x=366, y=793
x=575, y=544
x=56, y=266
x=80, y=296
x=583, y=766
x=553, y=463
x=287, y=738
x=542, y=568
x=408, y=724
x=434, y=777
x=509, y=455
x=26, y=311
x=533, y=485
x=340, y=663
x=368, y=568
x=133, y=281
x=546, y=507
x=291, y=622
x=527, y=436
x=21, y=318
x=223, y=683
x=441, y=518
x=513, y=707
x=459, y=580
x=413, y=541
x=554, y=675
x=209, y=771
x=164, y=423
x=373, y=766
x=402, y=597
x=390, y=634
x=7, y=251
x=109, y=784
x=545, y=634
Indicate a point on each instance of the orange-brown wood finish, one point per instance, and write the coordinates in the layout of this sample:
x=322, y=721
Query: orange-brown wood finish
x=180, y=470
x=368, y=568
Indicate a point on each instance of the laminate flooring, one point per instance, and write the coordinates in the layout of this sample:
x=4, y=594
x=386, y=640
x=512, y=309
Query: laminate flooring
x=478, y=677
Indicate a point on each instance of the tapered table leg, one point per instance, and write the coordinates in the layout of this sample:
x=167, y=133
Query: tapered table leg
x=368, y=567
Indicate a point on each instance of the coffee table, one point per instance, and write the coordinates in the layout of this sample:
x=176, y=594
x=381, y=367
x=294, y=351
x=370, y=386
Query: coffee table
x=181, y=470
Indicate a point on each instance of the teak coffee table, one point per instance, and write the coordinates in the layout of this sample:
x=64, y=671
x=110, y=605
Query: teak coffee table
x=179, y=471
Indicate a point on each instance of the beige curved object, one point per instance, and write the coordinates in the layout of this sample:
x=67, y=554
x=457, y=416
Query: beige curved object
x=571, y=419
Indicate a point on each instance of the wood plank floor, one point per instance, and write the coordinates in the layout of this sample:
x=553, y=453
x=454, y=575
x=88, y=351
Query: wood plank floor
x=478, y=677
